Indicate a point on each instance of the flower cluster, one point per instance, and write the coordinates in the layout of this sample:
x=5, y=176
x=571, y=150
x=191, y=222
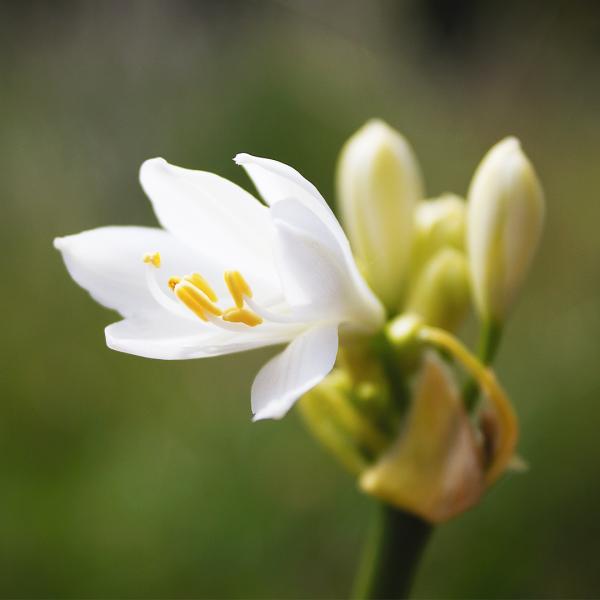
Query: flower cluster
x=369, y=320
x=393, y=411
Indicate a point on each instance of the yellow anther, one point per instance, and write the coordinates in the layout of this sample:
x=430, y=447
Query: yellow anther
x=197, y=294
x=173, y=281
x=238, y=287
x=242, y=315
x=186, y=296
x=203, y=285
x=152, y=258
x=196, y=301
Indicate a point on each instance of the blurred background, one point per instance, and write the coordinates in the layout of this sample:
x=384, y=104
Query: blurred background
x=126, y=477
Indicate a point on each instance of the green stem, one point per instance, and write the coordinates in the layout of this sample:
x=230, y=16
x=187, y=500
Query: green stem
x=489, y=340
x=391, y=554
x=389, y=361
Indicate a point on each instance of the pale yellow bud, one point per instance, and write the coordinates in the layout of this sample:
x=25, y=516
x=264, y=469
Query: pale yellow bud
x=439, y=223
x=379, y=184
x=504, y=223
x=441, y=293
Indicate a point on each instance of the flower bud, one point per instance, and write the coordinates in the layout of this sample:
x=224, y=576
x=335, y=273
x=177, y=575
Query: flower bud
x=345, y=418
x=402, y=333
x=504, y=223
x=435, y=469
x=441, y=293
x=439, y=223
x=379, y=184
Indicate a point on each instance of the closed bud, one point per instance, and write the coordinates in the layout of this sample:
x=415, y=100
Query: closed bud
x=441, y=293
x=379, y=184
x=402, y=334
x=344, y=417
x=439, y=223
x=504, y=223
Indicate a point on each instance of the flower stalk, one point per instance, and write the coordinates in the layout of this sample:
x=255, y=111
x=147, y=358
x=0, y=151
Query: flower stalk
x=392, y=553
x=489, y=340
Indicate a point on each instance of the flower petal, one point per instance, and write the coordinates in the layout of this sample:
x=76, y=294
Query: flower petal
x=301, y=366
x=169, y=337
x=276, y=181
x=294, y=199
x=317, y=272
x=212, y=215
x=107, y=262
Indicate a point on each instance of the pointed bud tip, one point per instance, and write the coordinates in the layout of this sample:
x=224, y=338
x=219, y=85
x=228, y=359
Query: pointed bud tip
x=510, y=142
x=377, y=126
x=377, y=134
x=508, y=153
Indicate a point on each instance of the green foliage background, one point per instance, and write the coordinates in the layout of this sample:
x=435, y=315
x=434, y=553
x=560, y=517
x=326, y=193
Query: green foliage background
x=125, y=477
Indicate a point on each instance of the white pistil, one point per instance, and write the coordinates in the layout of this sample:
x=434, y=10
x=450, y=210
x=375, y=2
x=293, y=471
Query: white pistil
x=227, y=326
x=269, y=315
x=161, y=297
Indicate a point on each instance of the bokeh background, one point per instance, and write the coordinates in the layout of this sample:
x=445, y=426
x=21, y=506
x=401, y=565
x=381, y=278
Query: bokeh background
x=125, y=477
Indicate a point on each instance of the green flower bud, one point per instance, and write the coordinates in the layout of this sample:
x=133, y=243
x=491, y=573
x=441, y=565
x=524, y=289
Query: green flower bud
x=402, y=333
x=439, y=223
x=441, y=294
x=504, y=223
x=379, y=184
x=345, y=418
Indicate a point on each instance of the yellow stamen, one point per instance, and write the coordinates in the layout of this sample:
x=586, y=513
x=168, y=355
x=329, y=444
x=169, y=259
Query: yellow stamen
x=242, y=315
x=196, y=301
x=238, y=287
x=197, y=294
x=152, y=258
x=203, y=285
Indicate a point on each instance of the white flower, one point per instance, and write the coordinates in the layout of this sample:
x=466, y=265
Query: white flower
x=227, y=274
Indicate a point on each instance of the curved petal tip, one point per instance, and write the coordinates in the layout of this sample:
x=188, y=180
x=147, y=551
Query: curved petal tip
x=150, y=163
x=241, y=158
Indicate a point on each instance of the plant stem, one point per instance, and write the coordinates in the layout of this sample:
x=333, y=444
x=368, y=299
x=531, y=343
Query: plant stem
x=489, y=340
x=392, y=553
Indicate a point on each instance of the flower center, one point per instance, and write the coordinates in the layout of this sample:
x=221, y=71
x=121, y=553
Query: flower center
x=197, y=295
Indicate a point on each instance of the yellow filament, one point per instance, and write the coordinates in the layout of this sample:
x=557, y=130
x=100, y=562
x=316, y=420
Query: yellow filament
x=238, y=287
x=203, y=285
x=242, y=315
x=152, y=258
x=196, y=301
x=487, y=380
